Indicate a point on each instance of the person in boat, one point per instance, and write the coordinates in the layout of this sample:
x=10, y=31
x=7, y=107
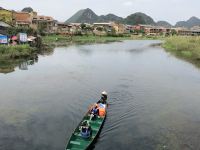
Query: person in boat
x=102, y=110
x=103, y=98
x=85, y=129
x=94, y=112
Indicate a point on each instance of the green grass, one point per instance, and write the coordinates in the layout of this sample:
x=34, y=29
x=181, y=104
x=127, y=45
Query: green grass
x=18, y=51
x=184, y=47
x=146, y=37
x=54, y=38
x=60, y=40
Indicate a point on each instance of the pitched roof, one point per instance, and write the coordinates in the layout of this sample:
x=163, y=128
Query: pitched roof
x=23, y=17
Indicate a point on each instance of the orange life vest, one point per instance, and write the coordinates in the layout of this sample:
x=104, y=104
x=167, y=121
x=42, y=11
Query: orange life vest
x=102, y=112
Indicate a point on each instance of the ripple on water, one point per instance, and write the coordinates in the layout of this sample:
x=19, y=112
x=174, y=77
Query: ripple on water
x=153, y=99
x=121, y=110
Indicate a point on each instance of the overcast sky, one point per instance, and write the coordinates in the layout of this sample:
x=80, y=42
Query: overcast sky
x=169, y=10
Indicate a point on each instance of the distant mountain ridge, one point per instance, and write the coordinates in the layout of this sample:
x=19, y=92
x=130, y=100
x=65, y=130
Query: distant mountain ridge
x=164, y=24
x=139, y=18
x=110, y=17
x=88, y=16
x=83, y=16
x=193, y=21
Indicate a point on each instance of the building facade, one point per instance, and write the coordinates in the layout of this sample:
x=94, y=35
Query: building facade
x=23, y=19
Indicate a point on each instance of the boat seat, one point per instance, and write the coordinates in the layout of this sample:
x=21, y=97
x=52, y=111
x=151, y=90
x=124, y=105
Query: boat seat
x=75, y=143
x=95, y=129
x=99, y=122
x=77, y=134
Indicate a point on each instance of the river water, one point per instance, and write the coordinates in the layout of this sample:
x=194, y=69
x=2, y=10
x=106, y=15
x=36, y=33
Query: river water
x=154, y=98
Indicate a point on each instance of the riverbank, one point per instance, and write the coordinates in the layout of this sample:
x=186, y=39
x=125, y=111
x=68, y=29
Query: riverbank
x=51, y=41
x=187, y=48
x=16, y=52
x=60, y=40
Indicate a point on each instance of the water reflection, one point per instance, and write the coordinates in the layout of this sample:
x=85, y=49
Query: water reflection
x=153, y=98
x=9, y=66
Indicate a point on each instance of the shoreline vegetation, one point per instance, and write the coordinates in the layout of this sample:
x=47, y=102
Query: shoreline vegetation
x=51, y=41
x=16, y=52
x=61, y=40
x=184, y=47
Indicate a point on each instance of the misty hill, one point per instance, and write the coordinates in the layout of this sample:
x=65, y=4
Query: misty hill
x=164, y=24
x=83, y=16
x=138, y=18
x=110, y=17
x=193, y=21
x=88, y=16
x=27, y=9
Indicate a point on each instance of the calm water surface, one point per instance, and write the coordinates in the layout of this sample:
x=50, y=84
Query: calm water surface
x=154, y=98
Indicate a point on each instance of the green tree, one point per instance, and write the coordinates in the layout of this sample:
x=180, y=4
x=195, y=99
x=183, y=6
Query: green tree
x=83, y=26
x=99, y=29
x=173, y=32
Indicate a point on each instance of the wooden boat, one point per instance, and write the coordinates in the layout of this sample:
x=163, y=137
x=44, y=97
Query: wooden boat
x=77, y=142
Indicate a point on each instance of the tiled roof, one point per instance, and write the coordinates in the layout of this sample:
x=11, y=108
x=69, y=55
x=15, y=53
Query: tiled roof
x=23, y=17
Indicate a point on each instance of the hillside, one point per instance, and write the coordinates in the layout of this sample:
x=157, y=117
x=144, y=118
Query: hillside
x=164, y=24
x=138, y=18
x=88, y=16
x=110, y=17
x=193, y=21
x=83, y=16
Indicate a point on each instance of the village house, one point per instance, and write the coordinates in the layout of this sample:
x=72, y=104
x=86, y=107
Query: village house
x=187, y=32
x=61, y=28
x=45, y=23
x=23, y=19
x=105, y=27
x=129, y=28
x=141, y=27
x=87, y=29
x=109, y=27
x=196, y=28
x=74, y=28
x=33, y=20
x=152, y=30
x=156, y=30
x=34, y=17
x=119, y=28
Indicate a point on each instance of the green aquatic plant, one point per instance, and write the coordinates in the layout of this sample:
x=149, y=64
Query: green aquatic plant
x=186, y=47
x=17, y=51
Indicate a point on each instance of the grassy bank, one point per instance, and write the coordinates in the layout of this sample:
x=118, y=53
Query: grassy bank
x=49, y=42
x=146, y=37
x=187, y=48
x=17, y=51
x=60, y=40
